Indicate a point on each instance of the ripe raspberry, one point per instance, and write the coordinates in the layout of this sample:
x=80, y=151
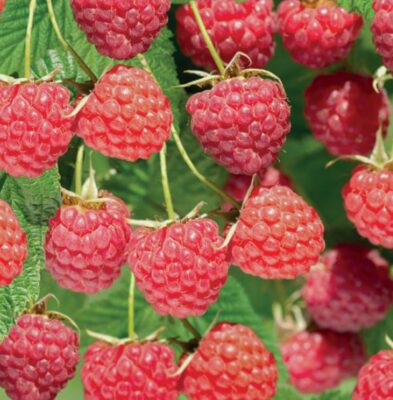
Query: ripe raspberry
x=352, y=291
x=179, y=268
x=345, y=112
x=13, y=245
x=241, y=123
x=231, y=363
x=37, y=358
x=86, y=248
x=136, y=370
x=247, y=27
x=127, y=116
x=121, y=29
x=368, y=202
x=375, y=380
x=320, y=360
x=2, y=5
x=34, y=128
x=317, y=33
x=278, y=236
x=382, y=30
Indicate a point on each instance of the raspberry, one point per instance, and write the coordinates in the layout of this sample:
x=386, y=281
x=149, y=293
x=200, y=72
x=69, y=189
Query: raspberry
x=345, y=112
x=86, y=248
x=247, y=27
x=37, y=358
x=368, y=202
x=278, y=236
x=317, y=33
x=180, y=268
x=320, y=360
x=13, y=245
x=2, y=5
x=129, y=371
x=231, y=363
x=241, y=123
x=382, y=30
x=34, y=128
x=121, y=29
x=352, y=291
x=375, y=380
x=127, y=116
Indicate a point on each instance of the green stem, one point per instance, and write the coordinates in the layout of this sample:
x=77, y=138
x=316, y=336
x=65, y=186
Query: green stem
x=165, y=185
x=32, y=8
x=131, y=308
x=216, y=57
x=79, y=170
x=66, y=44
x=186, y=323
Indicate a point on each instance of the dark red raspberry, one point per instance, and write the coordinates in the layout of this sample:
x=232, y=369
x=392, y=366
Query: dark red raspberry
x=320, y=360
x=35, y=129
x=382, y=29
x=38, y=358
x=86, y=248
x=368, y=202
x=352, y=290
x=121, y=29
x=317, y=33
x=180, y=268
x=375, y=379
x=144, y=371
x=13, y=245
x=247, y=27
x=241, y=123
x=345, y=112
x=231, y=363
x=278, y=236
x=127, y=115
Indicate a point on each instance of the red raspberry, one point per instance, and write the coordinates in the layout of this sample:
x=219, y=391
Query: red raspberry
x=231, y=363
x=34, y=128
x=38, y=358
x=13, y=245
x=278, y=236
x=121, y=29
x=180, y=268
x=351, y=291
x=317, y=33
x=86, y=248
x=247, y=27
x=368, y=202
x=241, y=123
x=382, y=30
x=136, y=370
x=375, y=380
x=345, y=112
x=2, y=5
x=127, y=116
x=320, y=360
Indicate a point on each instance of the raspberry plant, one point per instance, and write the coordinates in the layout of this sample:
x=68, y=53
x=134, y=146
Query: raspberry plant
x=111, y=153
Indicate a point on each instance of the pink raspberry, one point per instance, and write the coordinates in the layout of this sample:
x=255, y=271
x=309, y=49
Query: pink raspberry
x=247, y=27
x=345, y=112
x=121, y=29
x=351, y=291
x=180, y=268
x=320, y=360
x=241, y=123
x=278, y=236
x=38, y=358
x=317, y=33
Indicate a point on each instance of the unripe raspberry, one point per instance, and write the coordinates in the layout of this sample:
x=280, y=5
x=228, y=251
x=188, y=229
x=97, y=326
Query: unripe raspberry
x=127, y=115
x=278, y=236
x=13, y=245
x=180, y=268
x=38, y=358
x=144, y=371
x=121, y=29
x=35, y=127
x=241, y=123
